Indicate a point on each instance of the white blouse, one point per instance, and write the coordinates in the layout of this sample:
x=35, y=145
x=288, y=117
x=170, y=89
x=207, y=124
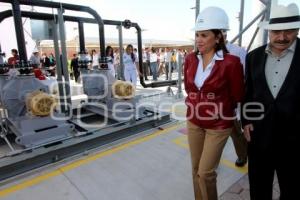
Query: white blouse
x=202, y=75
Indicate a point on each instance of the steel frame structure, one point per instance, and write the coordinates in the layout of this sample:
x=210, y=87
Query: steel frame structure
x=85, y=140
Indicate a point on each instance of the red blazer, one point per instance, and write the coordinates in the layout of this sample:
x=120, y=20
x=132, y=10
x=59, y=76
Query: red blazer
x=212, y=107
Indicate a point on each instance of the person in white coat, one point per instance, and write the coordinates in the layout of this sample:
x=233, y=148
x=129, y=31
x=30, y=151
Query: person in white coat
x=130, y=71
x=94, y=59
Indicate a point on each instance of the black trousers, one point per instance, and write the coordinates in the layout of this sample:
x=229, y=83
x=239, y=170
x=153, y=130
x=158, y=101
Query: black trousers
x=167, y=67
x=280, y=156
x=145, y=70
x=76, y=75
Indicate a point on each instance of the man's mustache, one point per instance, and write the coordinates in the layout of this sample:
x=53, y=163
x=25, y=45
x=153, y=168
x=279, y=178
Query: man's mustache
x=282, y=42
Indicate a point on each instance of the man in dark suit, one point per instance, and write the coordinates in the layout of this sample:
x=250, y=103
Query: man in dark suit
x=271, y=109
x=75, y=67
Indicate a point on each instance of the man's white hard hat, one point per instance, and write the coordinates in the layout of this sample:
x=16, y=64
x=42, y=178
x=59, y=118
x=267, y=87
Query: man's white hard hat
x=282, y=18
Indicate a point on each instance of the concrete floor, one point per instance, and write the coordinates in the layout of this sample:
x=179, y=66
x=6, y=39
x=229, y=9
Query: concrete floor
x=153, y=165
x=156, y=166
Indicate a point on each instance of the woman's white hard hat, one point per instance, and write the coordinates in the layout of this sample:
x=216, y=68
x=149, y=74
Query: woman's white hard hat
x=212, y=18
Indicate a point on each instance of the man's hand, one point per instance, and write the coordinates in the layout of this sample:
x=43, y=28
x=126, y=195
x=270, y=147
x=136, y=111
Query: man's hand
x=247, y=131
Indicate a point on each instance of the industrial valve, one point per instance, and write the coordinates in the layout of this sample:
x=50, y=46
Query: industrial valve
x=123, y=90
x=103, y=63
x=127, y=24
x=39, y=103
x=25, y=67
x=22, y=66
x=83, y=60
x=4, y=68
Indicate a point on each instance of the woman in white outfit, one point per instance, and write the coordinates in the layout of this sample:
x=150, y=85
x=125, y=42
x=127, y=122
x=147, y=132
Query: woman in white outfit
x=94, y=59
x=129, y=58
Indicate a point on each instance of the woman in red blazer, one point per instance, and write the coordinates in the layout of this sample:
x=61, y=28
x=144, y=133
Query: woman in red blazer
x=214, y=84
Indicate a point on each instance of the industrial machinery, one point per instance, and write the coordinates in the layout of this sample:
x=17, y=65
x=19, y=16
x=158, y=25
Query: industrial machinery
x=45, y=127
x=99, y=84
x=29, y=107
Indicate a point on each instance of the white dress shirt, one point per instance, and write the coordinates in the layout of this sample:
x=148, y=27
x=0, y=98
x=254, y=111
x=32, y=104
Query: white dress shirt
x=277, y=67
x=237, y=51
x=201, y=75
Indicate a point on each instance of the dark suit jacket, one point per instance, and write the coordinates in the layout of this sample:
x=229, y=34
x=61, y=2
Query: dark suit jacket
x=45, y=62
x=281, y=115
x=75, y=65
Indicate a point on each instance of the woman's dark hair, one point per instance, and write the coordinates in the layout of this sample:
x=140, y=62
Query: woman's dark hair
x=132, y=54
x=221, y=45
x=14, y=51
x=108, y=53
x=92, y=55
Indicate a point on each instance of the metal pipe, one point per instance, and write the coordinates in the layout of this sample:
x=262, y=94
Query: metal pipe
x=254, y=35
x=179, y=91
x=121, y=70
x=197, y=10
x=45, y=16
x=58, y=69
x=19, y=30
x=69, y=7
x=64, y=59
x=248, y=26
x=140, y=56
x=81, y=37
x=5, y=14
x=241, y=18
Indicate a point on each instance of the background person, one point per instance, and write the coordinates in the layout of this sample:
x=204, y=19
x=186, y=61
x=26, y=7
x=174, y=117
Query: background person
x=109, y=51
x=153, y=63
x=145, y=64
x=239, y=141
x=94, y=59
x=130, y=71
x=52, y=68
x=75, y=67
x=168, y=68
x=14, y=59
x=35, y=59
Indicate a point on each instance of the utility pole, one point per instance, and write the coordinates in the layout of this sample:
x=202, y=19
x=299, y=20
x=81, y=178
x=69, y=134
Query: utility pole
x=268, y=5
x=241, y=18
x=197, y=10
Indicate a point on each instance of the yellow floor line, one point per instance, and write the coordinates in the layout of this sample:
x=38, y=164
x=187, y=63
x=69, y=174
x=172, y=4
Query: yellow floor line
x=182, y=142
x=36, y=180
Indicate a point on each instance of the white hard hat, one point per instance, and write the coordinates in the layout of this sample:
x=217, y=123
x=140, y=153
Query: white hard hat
x=212, y=18
x=282, y=18
x=35, y=50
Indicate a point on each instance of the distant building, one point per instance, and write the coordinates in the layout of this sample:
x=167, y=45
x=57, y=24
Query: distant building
x=47, y=46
